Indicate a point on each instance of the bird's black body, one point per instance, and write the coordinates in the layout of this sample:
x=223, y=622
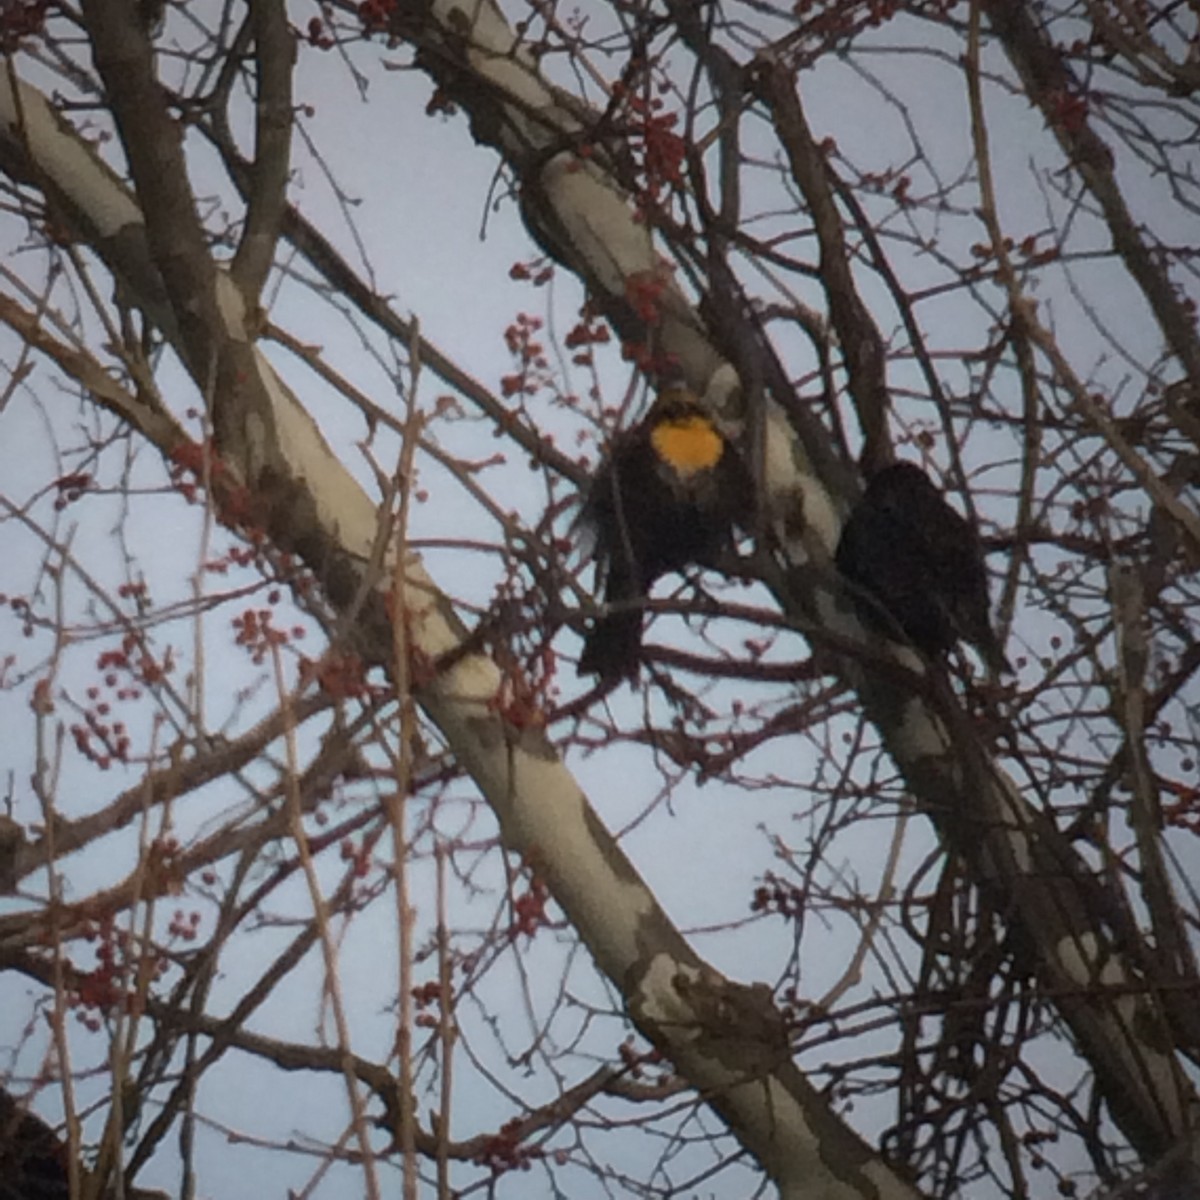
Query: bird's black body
x=666, y=497
x=918, y=565
x=33, y=1159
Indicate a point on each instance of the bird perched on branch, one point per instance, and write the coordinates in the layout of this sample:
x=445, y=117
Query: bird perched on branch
x=666, y=496
x=918, y=565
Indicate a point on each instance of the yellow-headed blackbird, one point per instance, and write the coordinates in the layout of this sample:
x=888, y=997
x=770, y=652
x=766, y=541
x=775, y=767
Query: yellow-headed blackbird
x=665, y=497
x=918, y=565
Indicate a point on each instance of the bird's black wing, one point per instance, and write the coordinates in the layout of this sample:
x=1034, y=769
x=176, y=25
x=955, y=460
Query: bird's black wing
x=957, y=583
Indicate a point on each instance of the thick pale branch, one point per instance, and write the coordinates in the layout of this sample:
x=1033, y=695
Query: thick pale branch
x=84, y=195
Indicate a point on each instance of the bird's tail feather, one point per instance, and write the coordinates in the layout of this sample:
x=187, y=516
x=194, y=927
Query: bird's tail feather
x=993, y=655
x=612, y=647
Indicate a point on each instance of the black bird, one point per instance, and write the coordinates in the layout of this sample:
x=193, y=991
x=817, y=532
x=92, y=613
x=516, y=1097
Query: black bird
x=918, y=565
x=33, y=1159
x=666, y=496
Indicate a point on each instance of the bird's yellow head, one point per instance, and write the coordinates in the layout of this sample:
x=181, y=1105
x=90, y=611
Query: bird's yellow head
x=683, y=434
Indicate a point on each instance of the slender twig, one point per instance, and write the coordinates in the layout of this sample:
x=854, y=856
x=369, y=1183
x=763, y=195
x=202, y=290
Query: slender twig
x=402, y=667
x=328, y=948
x=447, y=1028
